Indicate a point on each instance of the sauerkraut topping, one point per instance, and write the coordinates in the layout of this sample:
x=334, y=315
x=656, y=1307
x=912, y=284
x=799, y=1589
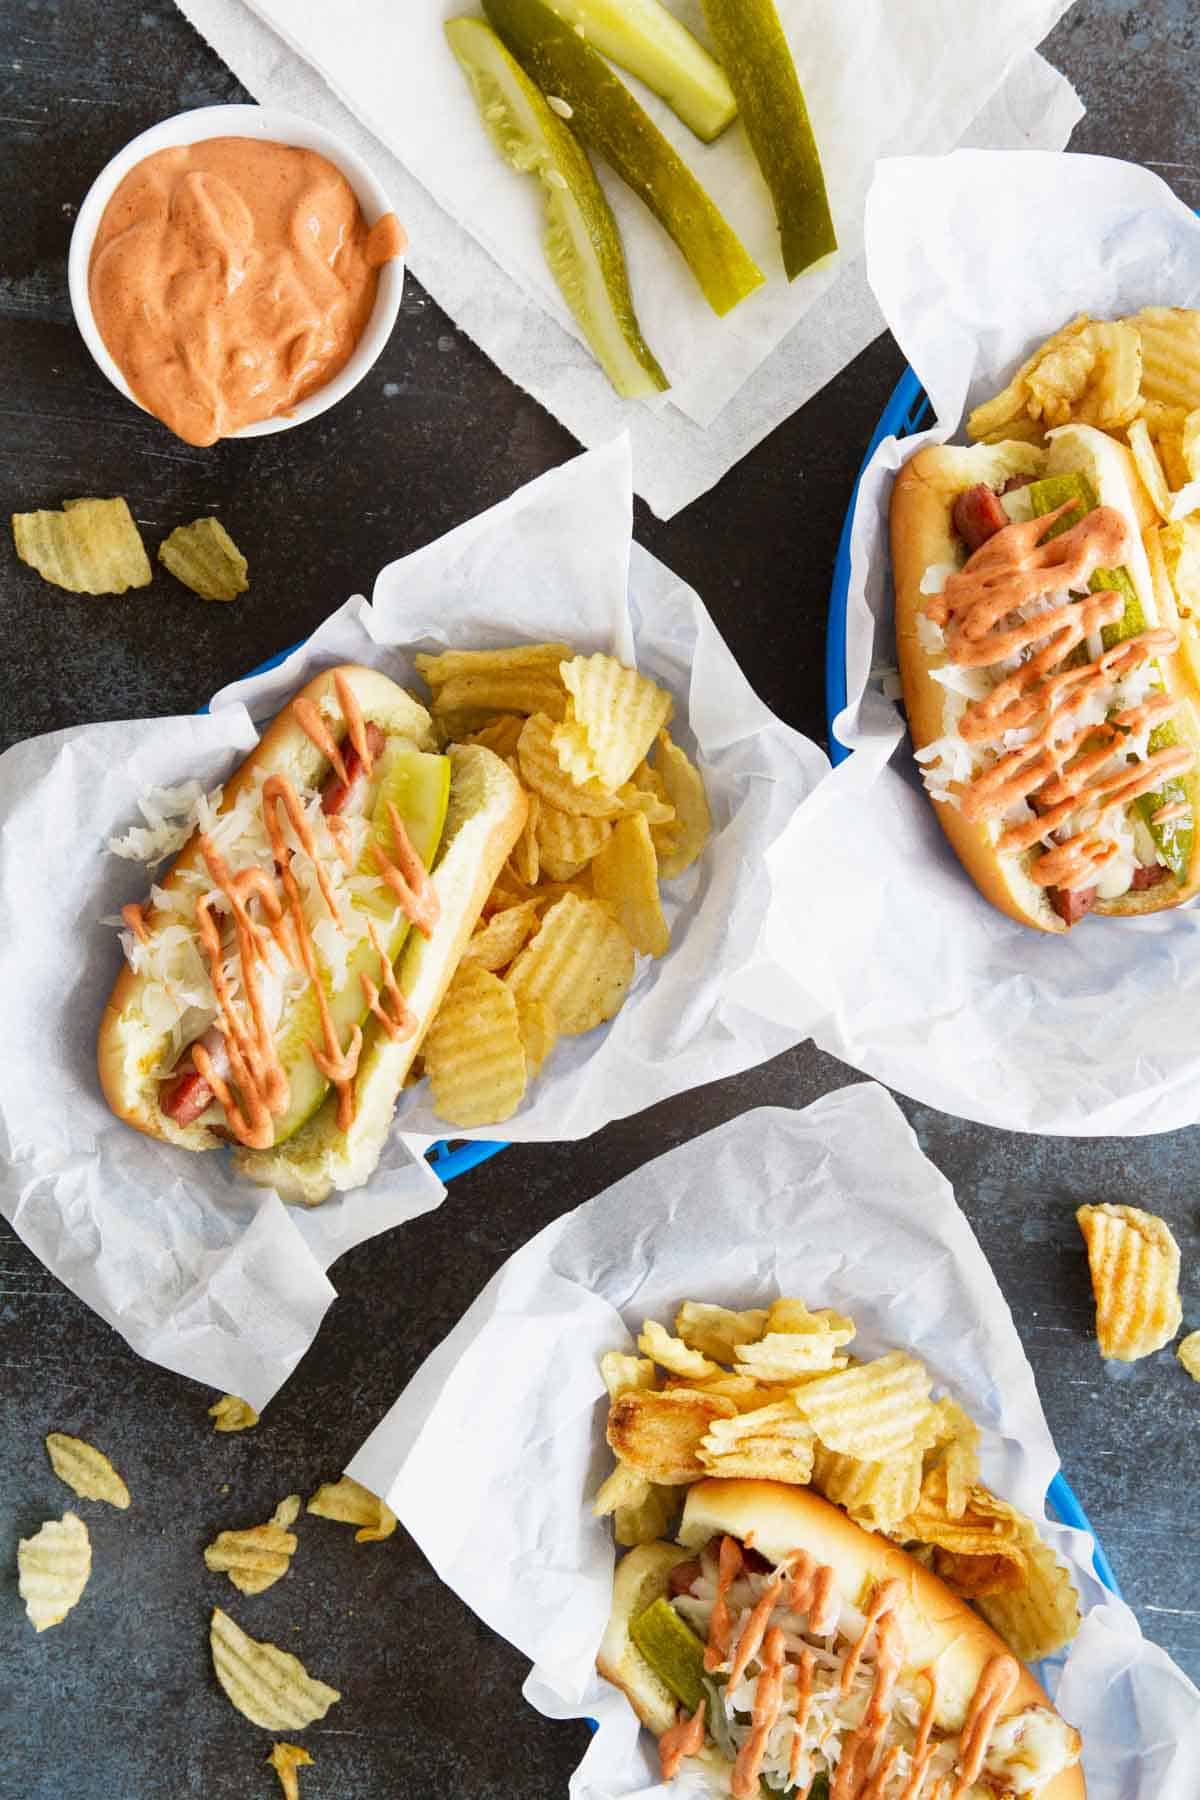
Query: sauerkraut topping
x=803, y=1684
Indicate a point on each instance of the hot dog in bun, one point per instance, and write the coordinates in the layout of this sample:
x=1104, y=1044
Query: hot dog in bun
x=1052, y=715
x=780, y=1649
x=283, y=973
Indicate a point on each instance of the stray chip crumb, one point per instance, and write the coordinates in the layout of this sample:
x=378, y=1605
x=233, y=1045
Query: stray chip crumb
x=232, y=1414
x=285, y=1759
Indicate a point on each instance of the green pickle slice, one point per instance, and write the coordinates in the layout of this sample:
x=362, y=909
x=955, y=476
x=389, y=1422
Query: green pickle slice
x=582, y=244
x=673, y=1651
x=751, y=44
x=418, y=785
x=1174, y=839
x=602, y=111
x=644, y=38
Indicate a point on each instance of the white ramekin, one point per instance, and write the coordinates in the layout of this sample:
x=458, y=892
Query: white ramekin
x=240, y=121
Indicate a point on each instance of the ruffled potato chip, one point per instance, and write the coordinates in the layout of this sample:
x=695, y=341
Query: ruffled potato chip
x=542, y=771
x=53, y=1567
x=772, y=1443
x=579, y=963
x=268, y=1686
x=620, y=1372
x=1189, y=1354
x=673, y=1354
x=877, y=1495
x=494, y=945
x=232, y=1414
x=90, y=547
x=473, y=1052
x=1134, y=1262
x=260, y=1555
x=1041, y=1617
x=625, y=879
x=871, y=1410
x=716, y=1331
x=613, y=717
x=659, y=1434
x=86, y=1470
x=350, y=1503
x=205, y=558
x=568, y=841
x=539, y=1031
x=681, y=841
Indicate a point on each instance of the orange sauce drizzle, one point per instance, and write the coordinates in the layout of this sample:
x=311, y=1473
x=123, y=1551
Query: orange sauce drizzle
x=750, y=1641
x=684, y=1738
x=278, y=789
x=135, y=918
x=720, y=1624
x=768, y=1701
x=812, y=1592
x=339, y=830
x=257, y=1071
x=356, y=725
x=397, y=1018
x=993, y=1689
x=408, y=877
x=923, y=1750
x=804, y=1680
x=861, y=1748
x=887, y=1595
x=876, y=1788
x=308, y=718
x=1174, y=809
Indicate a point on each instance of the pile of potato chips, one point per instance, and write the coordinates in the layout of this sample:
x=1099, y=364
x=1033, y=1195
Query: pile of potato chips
x=772, y=1394
x=615, y=807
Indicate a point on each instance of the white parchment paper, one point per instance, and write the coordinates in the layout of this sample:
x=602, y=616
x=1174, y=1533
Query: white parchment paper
x=898, y=965
x=835, y=1203
x=382, y=77
x=214, y=1277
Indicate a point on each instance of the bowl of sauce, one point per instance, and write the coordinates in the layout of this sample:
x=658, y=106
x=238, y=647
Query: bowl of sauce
x=235, y=271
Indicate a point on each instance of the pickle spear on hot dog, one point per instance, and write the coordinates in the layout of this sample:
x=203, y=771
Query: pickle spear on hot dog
x=778, y=1648
x=281, y=979
x=1053, y=718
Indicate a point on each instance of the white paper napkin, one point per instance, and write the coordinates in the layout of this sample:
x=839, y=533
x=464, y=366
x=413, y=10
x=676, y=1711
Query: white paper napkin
x=382, y=77
x=209, y=1275
x=835, y=1203
x=897, y=964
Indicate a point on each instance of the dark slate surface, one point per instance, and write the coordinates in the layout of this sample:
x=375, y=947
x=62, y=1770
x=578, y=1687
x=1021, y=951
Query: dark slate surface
x=119, y=1702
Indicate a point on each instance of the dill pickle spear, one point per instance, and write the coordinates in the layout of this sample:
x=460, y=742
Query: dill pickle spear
x=751, y=44
x=601, y=110
x=644, y=38
x=582, y=243
x=672, y=1649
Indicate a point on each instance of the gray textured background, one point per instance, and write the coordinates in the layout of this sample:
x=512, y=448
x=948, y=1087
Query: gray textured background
x=119, y=1702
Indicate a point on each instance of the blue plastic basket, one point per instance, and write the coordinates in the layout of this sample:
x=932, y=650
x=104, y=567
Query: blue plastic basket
x=905, y=413
x=448, y=1157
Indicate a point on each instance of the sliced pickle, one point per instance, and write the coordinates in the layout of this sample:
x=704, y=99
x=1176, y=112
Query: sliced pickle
x=418, y=785
x=673, y=1651
x=1173, y=838
x=582, y=243
x=644, y=38
x=603, y=112
x=751, y=43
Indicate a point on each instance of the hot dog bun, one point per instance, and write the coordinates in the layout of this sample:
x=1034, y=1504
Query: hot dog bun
x=923, y=535
x=486, y=813
x=778, y=1519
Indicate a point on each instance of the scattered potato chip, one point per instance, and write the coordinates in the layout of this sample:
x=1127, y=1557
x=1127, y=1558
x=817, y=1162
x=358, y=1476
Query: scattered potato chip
x=285, y=1759
x=53, y=1568
x=673, y=1354
x=539, y=1031
x=90, y=547
x=1170, y=337
x=494, y=945
x=232, y=1414
x=541, y=771
x=205, y=558
x=268, y=1686
x=1134, y=1262
x=473, y=1051
x=877, y=1495
x=772, y=1443
x=501, y=735
x=679, y=844
x=255, y=1558
x=1041, y=1617
x=612, y=719
x=625, y=878
x=1189, y=1354
x=86, y=1469
x=716, y=1331
x=660, y=1434
x=1149, y=468
x=350, y=1503
x=871, y=1410
x=579, y=963
x=645, y=1520
x=567, y=842
x=620, y=1372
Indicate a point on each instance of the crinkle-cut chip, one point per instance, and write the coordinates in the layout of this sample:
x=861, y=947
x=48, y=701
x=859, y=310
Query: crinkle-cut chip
x=790, y=1314
x=205, y=558
x=1007, y=411
x=473, y=1051
x=784, y=1356
x=623, y=1487
x=350, y=1503
x=620, y=1372
x=645, y=803
x=717, y=1331
x=625, y=879
x=520, y=659
x=579, y=962
x=567, y=842
x=986, y=1534
x=871, y=1410
x=1149, y=468
x=1189, y=446
x=746, y=1393
x=1060, y=378
x=1170, y=355
x=680, y=843
x=659, y=1434
x=1134, y=1262
x=53, y=1568
x=539, y=1032
x=525, y=857
x=232, y=1414
x=502, y=735
x=458, y=727
x=268, y=1686
x=86, y=1469
x=541, y=771
x=877, y=1495
x=258, y=1556
x=510, y=691
x=646, y=1520
x=494, y=945
x=90, y=547
x=285, y=1759
x=1113, y=394
x=1041, y=1617
x=954, y=1453
x=613, y=718
x=673, y=1354
x=974, y=1576
x=1189, y=1354
x=772, y=1443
